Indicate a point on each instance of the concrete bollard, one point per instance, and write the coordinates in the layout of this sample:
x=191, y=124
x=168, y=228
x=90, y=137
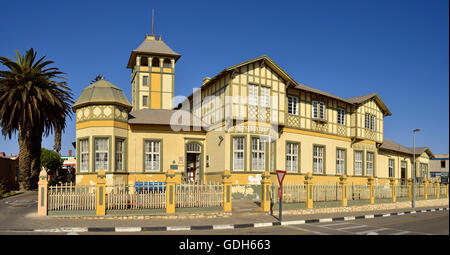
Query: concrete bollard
x=226, y=191
x=309, y=190
x=343, y=182
x=410, y=185
x=370, y=183
x=392, y=183
x=43, y=194
x=101, y=192
x=425, y=195
x=437, y=186
x=170, y=192
x=265, y=191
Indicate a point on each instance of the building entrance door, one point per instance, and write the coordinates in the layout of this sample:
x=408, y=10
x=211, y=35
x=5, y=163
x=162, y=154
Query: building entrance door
x=193, y=166
x=193, y=162
x=403, y=173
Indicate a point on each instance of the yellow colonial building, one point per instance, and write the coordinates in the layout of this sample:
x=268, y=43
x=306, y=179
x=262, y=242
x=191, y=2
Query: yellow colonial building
x=249, y=118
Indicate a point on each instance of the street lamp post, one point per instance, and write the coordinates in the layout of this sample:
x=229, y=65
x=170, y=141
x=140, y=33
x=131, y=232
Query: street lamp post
x=414, y=168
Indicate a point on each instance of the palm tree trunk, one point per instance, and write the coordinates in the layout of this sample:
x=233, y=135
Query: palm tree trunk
x=25, y=141
x=35, y=158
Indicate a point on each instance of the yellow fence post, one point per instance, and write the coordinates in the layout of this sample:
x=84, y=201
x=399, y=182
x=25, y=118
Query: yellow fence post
x=43, y=194
x=265, y=191
x=226, y=191
x=438, y=190
x=425, y=195
x=410, y=186
x=309, y=190
x=370, y=182
x=446, y=192
x=101, y=192
x=392, y=182
x=343, y=182
x=170, y=191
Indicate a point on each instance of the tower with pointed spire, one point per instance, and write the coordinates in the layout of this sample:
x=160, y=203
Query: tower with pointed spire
x=152, y=67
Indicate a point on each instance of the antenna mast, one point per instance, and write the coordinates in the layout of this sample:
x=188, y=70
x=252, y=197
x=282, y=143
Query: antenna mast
x=153, y=25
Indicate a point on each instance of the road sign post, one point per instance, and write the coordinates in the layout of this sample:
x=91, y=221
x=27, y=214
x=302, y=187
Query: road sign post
x=280, y=176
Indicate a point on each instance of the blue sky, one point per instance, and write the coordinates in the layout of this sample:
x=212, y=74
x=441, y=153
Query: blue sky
x=399, y=49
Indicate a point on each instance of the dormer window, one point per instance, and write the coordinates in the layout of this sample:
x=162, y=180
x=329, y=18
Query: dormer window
x=370, y=121
x=318, y=110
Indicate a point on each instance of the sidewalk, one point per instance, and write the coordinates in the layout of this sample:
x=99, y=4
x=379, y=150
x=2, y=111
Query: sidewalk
x=244, y=215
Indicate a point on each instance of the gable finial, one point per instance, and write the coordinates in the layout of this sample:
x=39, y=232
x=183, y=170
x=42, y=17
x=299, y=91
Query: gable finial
x=153, y=22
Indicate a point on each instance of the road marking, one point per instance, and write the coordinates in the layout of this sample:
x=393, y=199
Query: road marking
x=326, y=220
x=128, y=229
x=401, y=213
x=386, y=215
x=307, y=230
x=337, y=224
x=349, y=218
x=74, y=229
x=369, y=216
x=261, y=225
x=178, y=228
x=371, y=231
x=294, y=222
x=227, y=226
x=352, y=227
x=401, y=233
x=413, y=212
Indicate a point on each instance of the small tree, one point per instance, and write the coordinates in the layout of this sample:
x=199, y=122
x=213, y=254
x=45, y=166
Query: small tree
x=52, y=162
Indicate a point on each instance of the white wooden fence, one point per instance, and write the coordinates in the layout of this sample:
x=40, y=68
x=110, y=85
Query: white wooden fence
x=382, y=191
x=292, y=193
x=71, y=197
x=130, y=197
x=358, y=192
x=198, y=195
x=401, y=190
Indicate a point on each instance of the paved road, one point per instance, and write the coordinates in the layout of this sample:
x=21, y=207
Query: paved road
x=13, y=210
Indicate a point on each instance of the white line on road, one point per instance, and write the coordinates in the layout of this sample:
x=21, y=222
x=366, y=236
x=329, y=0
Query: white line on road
x=178, y=228
x=352, y=227
x=307, y=230
x=294, y=222
x=128, y=229
x=400, y=233
x=336, y=224
x=261, y=225
x=227, y=226
x=372, y=230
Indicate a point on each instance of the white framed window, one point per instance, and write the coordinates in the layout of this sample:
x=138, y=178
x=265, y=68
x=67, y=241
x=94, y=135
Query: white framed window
x=265, y=97
x=341, y=116
x=152, y=155
x=318, y=158
x=101, y=146
x=252, y=94
x=84, y=155
x=144, y=100
x=391, y=168
x=370, y=121
x=358, y=162
x=238, y=153
x=424, y=170
x=369, y=163
x=293, y=105
x=119, y=154
x=258, y=154
x=318, y=110
x=292, y=157
x=145, y=80
x=340, y=161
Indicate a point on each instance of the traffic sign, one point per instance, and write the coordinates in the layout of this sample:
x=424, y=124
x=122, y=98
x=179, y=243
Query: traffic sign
x=280, y=192
x=280, y=175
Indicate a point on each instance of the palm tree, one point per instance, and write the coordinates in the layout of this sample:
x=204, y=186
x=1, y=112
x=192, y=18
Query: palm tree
x=34, y=101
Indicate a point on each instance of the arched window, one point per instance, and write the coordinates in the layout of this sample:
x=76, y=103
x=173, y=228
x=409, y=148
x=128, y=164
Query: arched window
x=155, y=62
x=167, y=63
x=144, y=61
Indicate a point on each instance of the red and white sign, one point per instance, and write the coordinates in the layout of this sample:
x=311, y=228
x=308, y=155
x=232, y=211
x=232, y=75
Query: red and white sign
x=280, y=192
x=280, y=176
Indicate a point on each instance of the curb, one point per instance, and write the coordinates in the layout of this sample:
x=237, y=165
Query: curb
x=219, y=227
